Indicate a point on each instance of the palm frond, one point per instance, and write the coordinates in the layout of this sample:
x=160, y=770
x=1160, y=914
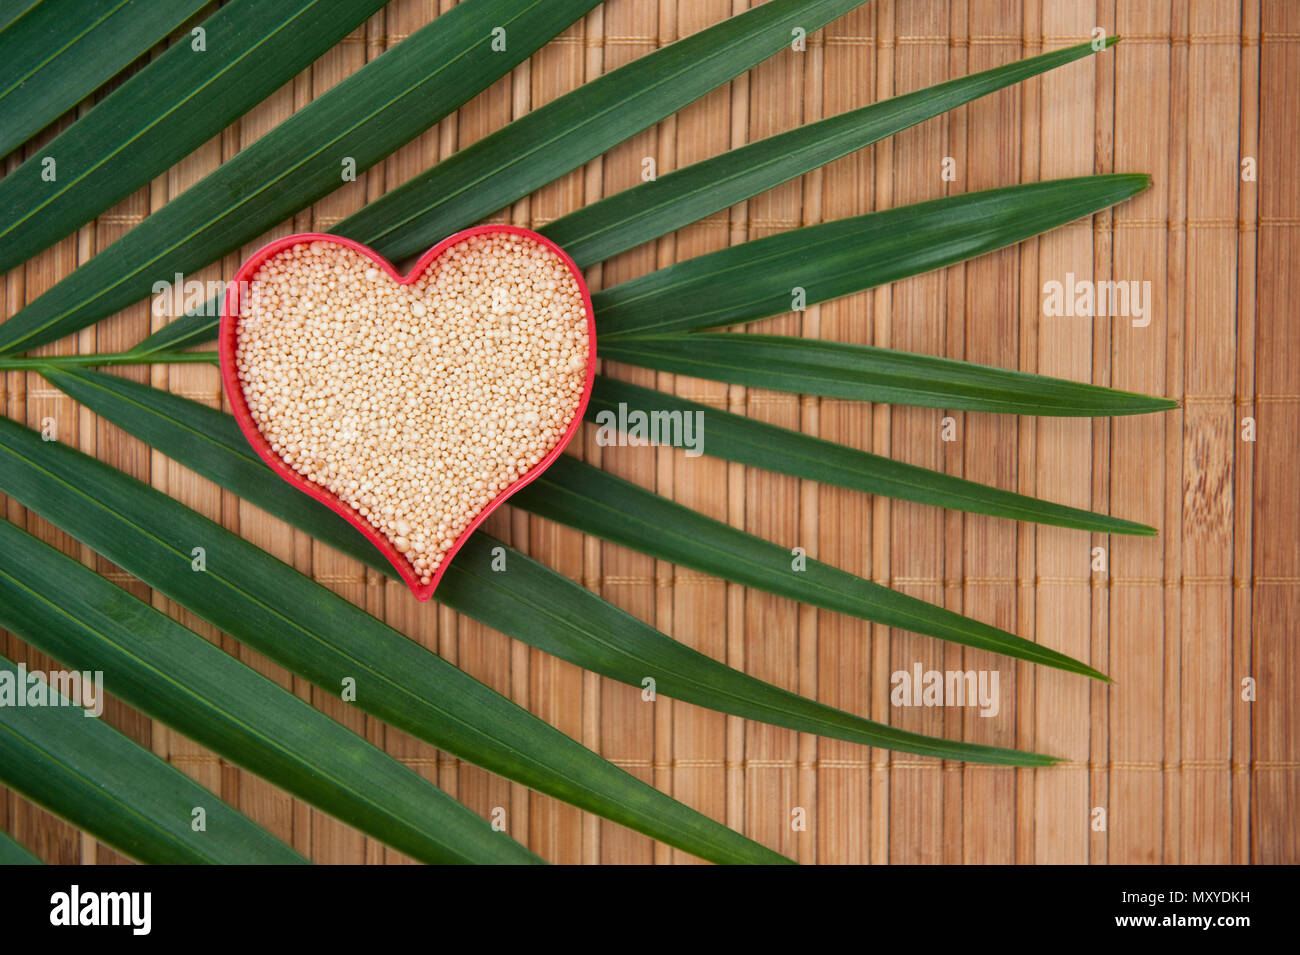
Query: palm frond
x=556, y=138
x=865, y=373
x=121, y=793
x=595, y=502
x=646, y=211
x=560, y=136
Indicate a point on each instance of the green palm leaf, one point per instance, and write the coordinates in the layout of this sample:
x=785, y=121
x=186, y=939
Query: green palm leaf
x=106, y=360
x=164, y=112
x=350, y=127
x=759, y=444
x=175, y=676
x=595, y=502
x=110, y=786
x=758, y=278
x=531, y=602
x=864, y=373
x=12, y=853
x=56, y=53
x=313, y=632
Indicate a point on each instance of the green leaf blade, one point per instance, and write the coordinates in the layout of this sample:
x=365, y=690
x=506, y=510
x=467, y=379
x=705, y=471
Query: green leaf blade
x=647, y=211
x=385, y=104
x=701, y=292
x=866, y=373
x=600, y=637
x=747, y=441
x=753, y=280
x=578, y=495
x=57, y=53
x=175, y=676
x=99, y=780
x=14, y=853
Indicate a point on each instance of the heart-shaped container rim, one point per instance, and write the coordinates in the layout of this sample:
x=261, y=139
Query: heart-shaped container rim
x=228, y=340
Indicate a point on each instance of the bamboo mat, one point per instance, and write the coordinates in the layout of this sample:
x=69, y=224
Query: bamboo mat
x=1183, y=769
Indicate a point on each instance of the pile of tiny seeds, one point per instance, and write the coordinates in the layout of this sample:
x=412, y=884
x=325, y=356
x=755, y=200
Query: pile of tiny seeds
x=415, y=404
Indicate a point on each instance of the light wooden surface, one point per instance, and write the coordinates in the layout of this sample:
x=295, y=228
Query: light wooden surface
x=1184, y=769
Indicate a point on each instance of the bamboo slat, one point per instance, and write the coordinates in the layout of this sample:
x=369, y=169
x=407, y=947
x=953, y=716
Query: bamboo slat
x=1275, y=573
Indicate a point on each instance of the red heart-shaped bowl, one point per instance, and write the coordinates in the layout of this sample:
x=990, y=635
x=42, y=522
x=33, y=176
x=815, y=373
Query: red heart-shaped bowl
x=227, y=346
